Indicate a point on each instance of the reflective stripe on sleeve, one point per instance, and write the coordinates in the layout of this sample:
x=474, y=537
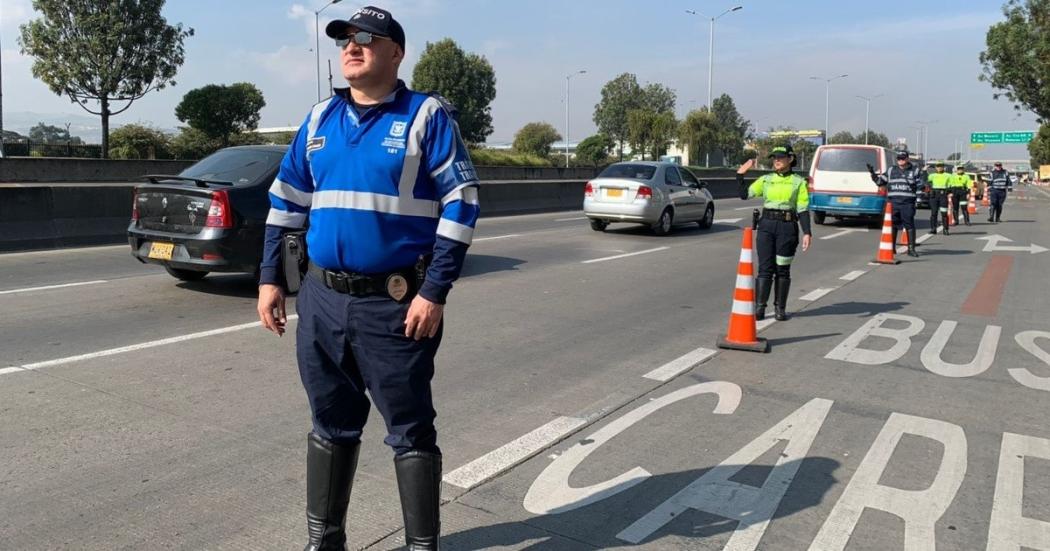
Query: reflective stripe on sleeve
x=468, y=193
x=291, y=193
x=286, y=219
x=455, y=231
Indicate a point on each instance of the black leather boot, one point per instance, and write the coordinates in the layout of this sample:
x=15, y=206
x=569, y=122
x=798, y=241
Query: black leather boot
x=912, y=243
x=329, y=476
x=780, y=298
x=419, y=483
x=763, y=286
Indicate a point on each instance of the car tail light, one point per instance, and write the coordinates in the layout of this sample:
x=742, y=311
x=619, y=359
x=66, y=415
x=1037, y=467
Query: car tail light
x=135, y=205
x=588, y=190
x=211, y=256
x=219, y=213
x=645, y=192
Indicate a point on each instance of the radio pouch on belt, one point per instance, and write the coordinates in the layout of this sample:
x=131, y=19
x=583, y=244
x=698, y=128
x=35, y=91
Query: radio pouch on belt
x=755, y=215
x=293, y=259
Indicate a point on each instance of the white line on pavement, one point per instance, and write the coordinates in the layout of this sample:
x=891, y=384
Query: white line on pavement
x=63, y=251
x=727, y=220
x=816, y=294
x=509, y=455
x=671, y=369
x=49, y=287
x=625, y=255
x=844, y=232
x=747, y=208
x=508, y=236
x=570, y=219
x=924, y=238
x=7, y=370
x=760, y=325
x=853, y=275
x=140, y=346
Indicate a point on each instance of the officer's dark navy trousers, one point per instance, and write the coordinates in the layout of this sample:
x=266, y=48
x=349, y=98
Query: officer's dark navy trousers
x=347, y=345
x=997, y=198
x=903, y=214
x=938, y=205
x=777, y=242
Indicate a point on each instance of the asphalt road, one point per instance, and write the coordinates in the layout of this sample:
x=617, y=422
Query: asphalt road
x=581, y=401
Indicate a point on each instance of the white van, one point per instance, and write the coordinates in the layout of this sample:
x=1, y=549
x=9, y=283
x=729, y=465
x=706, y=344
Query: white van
x=840, y=185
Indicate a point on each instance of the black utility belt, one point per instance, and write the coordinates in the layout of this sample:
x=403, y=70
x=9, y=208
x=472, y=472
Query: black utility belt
x=780, y=215
x=398, y=284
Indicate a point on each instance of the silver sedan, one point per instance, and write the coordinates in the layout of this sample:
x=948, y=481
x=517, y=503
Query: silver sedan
x=656, y=194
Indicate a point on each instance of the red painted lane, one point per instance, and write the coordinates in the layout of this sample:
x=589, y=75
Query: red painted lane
x=988, y=293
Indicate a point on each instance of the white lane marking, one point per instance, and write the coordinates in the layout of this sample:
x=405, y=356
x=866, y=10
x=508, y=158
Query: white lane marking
x=625, y=255
x=508, y=236
x=924, y=238
x=509, y=455
x=570, y=219
x=49, y=287
x=63, y=251
x=747, y=208
x=760, y=325
x=902, y=249
x=853, y=275
x=7, y=370
x=671, y=369
x=727, y=220
x=844, y=232
x=816, y=294
x=140, y=346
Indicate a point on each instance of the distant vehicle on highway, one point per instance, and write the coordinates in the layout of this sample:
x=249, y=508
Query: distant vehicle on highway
x=656, y=194
x=211, y=217
x=840, y=185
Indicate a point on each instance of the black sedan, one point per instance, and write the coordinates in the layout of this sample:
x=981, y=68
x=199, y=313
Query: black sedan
x=209, y=218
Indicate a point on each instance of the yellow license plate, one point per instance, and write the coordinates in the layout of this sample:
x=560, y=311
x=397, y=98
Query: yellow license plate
x=161, y=251
x=846, y=200
x=614, y=192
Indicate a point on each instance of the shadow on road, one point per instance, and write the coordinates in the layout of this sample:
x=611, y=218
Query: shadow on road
x=862, y=309
x=480, y=264
x=227, y=285
x=597, y=525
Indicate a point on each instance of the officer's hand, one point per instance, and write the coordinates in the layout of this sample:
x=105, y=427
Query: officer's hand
x=746, y=166
x=805, y=242
x=423, y=319
x=271, y=308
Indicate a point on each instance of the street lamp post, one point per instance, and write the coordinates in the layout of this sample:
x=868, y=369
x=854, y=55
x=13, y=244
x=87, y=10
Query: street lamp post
x=827, y=102
x=925, y=125
x=711, y=57
x=567, y=77
x=867, y=107
x=317, y=43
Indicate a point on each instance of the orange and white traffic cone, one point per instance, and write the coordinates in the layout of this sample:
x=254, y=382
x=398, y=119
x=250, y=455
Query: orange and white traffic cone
x=971, y=203
x=904, y=236
x=985, y=200
x=743, y=333
x=951, y=208
x=886, y=247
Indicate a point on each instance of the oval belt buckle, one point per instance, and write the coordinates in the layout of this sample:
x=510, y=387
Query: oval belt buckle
x=396, y=286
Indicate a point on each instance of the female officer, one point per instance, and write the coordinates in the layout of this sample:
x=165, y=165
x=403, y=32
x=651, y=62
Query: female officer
x=786, y=206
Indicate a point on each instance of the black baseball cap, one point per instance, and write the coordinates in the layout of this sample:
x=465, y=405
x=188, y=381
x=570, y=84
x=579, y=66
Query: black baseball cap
x=997, y=163
x=372, y=19
x=902, y=154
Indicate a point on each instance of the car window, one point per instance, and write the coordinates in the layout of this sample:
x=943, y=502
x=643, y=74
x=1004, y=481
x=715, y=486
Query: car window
x=240, y=166
x=629, y=170
x=688, y=176
x=671, y=177
x=847, y=159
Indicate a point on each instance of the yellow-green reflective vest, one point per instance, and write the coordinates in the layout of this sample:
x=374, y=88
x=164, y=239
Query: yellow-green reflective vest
x=961, y=181
x=940, y=180
x=781, y=192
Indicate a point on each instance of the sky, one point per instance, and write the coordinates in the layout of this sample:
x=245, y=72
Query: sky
x=923, y=56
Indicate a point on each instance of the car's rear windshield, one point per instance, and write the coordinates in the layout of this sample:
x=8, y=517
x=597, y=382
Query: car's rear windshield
x=240, y=166
x=847, y=159
x=631, y=171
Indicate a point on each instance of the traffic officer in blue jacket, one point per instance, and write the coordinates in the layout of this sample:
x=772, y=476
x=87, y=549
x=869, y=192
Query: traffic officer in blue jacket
x=902, y=185
x=381, y=177
x=997, y=196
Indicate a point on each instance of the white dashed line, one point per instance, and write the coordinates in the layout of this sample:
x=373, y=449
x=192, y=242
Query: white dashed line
x=671, y=369
x=924, y=238
x=816, y=294
x=747, y=208
x=625, y=255
x=570, y=219
x=509, y=455
x=727, y=220
x=760, y=325
x=844, y=232
x=49, y=287
x=853, y=275
x=508, y=236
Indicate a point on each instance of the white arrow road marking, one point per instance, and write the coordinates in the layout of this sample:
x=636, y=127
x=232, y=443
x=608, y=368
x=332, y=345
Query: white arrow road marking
x=992, y=245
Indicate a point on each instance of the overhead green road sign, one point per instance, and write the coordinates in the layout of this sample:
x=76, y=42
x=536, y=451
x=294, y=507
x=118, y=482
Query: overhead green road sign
x=986, y=137
x=1017, y=137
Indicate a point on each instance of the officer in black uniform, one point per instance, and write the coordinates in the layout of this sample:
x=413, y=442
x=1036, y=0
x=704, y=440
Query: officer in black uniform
x=902, y=182
x=999, y=184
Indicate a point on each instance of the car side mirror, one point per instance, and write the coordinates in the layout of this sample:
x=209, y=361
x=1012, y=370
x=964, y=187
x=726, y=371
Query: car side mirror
x=702, y=185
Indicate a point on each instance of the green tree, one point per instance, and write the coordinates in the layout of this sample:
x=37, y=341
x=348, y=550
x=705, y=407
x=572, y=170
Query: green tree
x=594, y=150
x=700, y=132
x=220, y=111
x=48, y=133
x=735, y=129
x=804, y=150
x=1039, y=147
x=658, y=98
x=845, y=137
x=191, y=143
x=103, y=53
x=137, y=141
x=536, y=138
x=466, y=80
x=875, y=138
x=650, y=131
x=1017, y=58
x=619, y=96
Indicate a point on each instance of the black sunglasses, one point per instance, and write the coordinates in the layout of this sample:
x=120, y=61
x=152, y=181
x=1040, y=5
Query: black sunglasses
x=361, y=38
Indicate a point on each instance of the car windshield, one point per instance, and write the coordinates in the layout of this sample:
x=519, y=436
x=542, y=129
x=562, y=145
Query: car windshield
x=847, y=159
x=240, y=166
x=628, y=170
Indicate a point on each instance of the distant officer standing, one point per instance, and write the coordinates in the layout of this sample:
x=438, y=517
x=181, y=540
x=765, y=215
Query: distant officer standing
x=384, y=180
x=997, y=189
x=960, y=187
x=939, y=184
x=902, y=183
x=786, y=206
